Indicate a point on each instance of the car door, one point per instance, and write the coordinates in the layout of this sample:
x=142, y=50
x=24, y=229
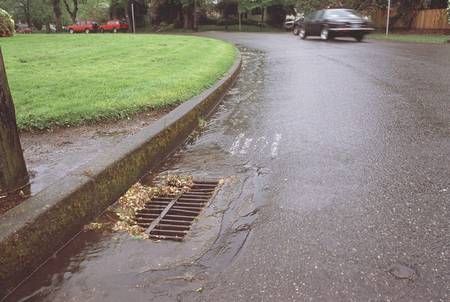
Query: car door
x=78, y=26
x=316, y=23
x=307, y=22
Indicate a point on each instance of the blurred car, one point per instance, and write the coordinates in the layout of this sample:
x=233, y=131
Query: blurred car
x=332, y=23
x=289, y=22
x=22, y=28
x=83, y=26
x=114, y=26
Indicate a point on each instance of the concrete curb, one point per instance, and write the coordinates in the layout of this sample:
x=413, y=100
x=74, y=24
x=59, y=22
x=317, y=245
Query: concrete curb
x=32, y=231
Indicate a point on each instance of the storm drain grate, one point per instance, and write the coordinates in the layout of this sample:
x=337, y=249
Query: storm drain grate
x=171, y=217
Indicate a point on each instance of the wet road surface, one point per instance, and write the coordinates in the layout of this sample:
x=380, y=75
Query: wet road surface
x=337, y=176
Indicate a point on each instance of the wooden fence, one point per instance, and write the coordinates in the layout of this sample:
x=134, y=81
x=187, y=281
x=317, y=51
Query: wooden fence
x=427, y=19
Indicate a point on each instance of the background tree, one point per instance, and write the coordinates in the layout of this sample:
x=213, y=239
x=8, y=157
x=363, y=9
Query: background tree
x=33, y=12
x=154, y=10
x=98, y=10
x=6, y=24
x=407, y=10
x=25, y=6
x=72, y=8
x=56, y=5
x=18, y=8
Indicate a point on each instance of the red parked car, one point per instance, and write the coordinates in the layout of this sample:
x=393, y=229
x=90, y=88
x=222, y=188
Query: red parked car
x=83, y=26
x=114, y=26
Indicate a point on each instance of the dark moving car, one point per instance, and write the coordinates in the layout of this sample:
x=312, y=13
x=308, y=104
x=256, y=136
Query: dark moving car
x=332, y=23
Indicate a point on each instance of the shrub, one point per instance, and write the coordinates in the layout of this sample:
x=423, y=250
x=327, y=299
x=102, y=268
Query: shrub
x=6, y=24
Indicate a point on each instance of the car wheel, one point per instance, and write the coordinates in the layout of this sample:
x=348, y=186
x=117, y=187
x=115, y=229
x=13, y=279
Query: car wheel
x=325, y=33
x=114, y=30
x=302, y=33
x=87, y=31
x=71, y=31
x=359, y=38
x=296, y=31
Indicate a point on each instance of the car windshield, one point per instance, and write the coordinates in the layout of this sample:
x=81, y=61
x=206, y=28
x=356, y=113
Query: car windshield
x=342, y=13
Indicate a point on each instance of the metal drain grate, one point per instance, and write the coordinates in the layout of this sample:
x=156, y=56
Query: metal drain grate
x=171, y=217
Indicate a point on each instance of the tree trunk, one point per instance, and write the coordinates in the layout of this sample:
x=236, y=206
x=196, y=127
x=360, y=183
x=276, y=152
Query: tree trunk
x=27, y=12
x=187, y=15
x=240, y=19
x=72, y=12
x=411, y=19
x=153, y=11
x=194, y=21
x=128, y=17
x=13, y=171
x=57, y=12
x=262, y=17
x=179, y=15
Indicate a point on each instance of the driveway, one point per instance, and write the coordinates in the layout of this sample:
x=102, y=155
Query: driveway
x=335, y=157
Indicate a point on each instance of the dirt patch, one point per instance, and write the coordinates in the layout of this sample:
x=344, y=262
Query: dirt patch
x=10, y=201
x=52, y=154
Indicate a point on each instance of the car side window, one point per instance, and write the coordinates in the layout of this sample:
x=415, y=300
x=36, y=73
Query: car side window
x=310, y=16
x=319, y=15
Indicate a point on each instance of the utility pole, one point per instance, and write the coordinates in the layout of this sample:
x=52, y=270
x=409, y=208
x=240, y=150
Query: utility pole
x=13, y=171
x=388, y=17
x=132, y=17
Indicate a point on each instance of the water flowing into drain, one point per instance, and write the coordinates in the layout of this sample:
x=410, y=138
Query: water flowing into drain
x=171, y=217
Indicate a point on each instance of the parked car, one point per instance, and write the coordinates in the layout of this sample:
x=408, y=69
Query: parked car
x=332, y=23
x=290, y=21
x=83, y=26
x=22, y=28
x=114, y=26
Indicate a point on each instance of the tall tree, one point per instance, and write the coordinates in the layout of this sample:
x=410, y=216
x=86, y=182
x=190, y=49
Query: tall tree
x=56, y=4
x=153, y=10
x=448, y=11
x=407, y=11
x=13, y=171
x=72, y=10
x=20, y=9
x=25, y=5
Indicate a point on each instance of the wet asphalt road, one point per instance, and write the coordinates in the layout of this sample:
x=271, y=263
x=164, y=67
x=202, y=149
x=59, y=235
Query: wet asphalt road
x=362, y=180
x=336, y=160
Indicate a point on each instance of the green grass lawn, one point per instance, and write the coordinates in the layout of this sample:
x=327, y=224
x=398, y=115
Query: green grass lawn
x=59, y=80
x=231, y=28
x=417, y=38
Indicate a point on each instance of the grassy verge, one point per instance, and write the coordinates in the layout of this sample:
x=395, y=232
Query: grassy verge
x=417, y=38
x=59, y=80
x=230, y=28
x=244, y=28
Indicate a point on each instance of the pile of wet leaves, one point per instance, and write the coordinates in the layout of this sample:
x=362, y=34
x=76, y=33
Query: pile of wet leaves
x=135, y=199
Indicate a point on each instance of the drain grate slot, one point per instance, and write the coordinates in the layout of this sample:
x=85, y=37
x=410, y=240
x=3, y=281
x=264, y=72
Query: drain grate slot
x=171, y=217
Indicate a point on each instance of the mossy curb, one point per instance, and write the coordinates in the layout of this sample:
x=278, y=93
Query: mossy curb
x=34, y=230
